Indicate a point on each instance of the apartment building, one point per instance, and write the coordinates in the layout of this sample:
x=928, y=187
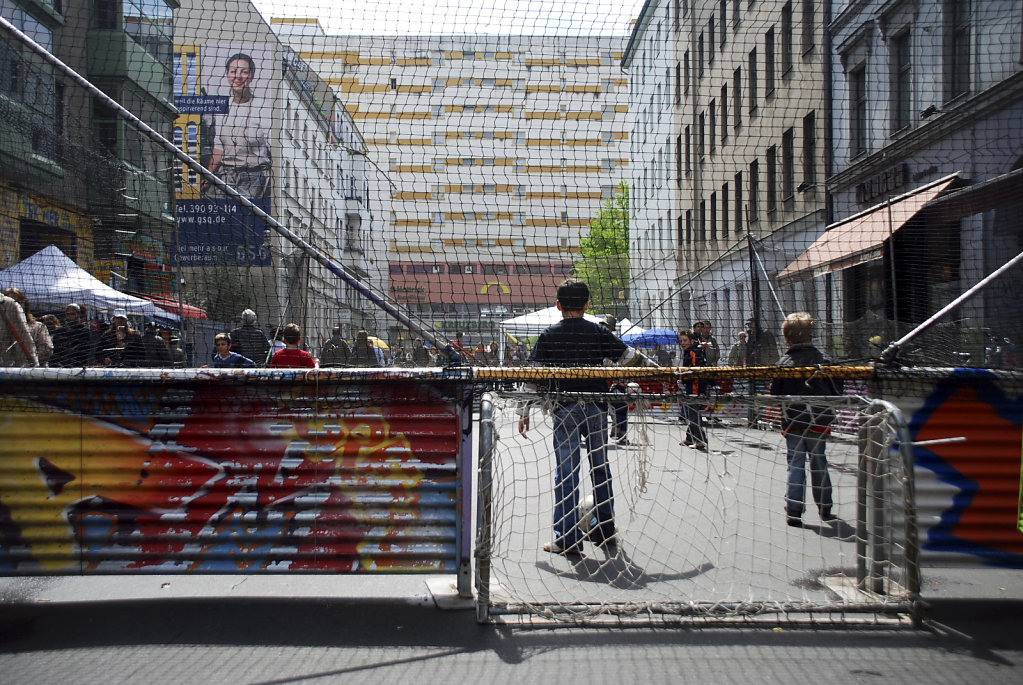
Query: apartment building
x=74, y=174
x=928, y=174
x=750, y=157
x=305, y=172
x=496, y=153
x=650, y=61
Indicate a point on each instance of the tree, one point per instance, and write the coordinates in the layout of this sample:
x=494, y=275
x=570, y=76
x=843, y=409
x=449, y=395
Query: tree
x=605, y=252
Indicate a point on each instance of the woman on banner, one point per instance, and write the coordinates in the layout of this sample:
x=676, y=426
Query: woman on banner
x=241, y=146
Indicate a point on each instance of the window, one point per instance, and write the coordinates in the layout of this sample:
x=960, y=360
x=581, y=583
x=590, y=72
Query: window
x=689, y=159
x=737, y=97
x=713, y=216
x=809, y=40
x=713, y=111
x=901, y=81
x=788, y=171
x=772, y=179
x=858, y=110
x=957, y=47
x=678, y=83
x=699, y=56
x=724, y=113
x=564, y=217
x=809, y=150
x=769, y=62
x=700, y=136
x=724, y=22
x=735, y=12
x=438, y=164
x=685, y=72
x=394, y=84
x=786, y=38
x=724, y=210
x=701, y=235
x=739, y=223
x=679, y=170
x=710, y=37
x=754, y=190
x=751, y=74
x=689, y=227
x=437, y=217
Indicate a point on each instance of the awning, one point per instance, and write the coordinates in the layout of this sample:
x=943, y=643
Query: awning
x=185, y=310
x=860, y=238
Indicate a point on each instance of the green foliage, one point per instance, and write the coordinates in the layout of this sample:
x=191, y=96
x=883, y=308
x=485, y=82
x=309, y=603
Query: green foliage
x=605, y=255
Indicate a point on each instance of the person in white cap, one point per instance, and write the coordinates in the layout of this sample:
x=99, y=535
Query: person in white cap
x=120, y=344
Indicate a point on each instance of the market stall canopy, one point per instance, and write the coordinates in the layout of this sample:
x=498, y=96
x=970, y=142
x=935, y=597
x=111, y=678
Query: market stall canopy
x=534, y=323
x=651, y=337
x=186, y=310
x=625, y=326
x=50, y=280
x=860, y=238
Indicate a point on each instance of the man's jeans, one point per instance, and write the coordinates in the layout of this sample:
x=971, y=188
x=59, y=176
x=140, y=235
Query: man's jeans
x=800, y=446
x=572, y=424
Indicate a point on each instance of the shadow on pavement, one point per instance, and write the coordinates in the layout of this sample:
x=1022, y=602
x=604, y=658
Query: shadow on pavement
x=979, y=628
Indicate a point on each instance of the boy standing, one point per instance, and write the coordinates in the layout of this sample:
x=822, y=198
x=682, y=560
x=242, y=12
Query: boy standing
x=292, y=356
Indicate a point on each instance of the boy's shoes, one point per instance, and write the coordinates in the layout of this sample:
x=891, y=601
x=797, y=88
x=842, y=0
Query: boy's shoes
x=827, y=516
x=555, y=548
x=794, y=520
x=623, y=441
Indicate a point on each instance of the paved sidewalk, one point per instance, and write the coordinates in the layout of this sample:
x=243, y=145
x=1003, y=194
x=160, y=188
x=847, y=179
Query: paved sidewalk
x=321, y=629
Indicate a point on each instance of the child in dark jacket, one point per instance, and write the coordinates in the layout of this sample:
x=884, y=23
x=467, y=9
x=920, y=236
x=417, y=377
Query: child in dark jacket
x=805, y=426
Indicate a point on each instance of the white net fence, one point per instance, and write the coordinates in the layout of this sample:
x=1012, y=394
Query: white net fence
x=701, y=533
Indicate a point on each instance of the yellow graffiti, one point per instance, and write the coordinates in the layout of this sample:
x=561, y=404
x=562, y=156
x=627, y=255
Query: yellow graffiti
x=39, y=506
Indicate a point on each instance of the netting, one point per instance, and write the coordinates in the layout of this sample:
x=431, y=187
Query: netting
x=434, y=170
x=705, y=529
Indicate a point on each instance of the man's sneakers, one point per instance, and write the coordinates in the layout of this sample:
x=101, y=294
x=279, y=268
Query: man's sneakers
x=555, y=548
x=794, y=519
x=622, y=440
x=827, y=516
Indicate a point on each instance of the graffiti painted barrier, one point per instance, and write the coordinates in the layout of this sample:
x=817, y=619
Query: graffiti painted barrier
x=256, y=471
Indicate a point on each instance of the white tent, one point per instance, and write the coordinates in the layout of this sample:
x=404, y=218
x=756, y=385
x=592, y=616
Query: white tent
x=534, y=323
x=52, y=281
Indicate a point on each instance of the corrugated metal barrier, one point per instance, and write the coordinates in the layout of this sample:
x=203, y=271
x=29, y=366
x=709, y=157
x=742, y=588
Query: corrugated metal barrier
x=967, y=429
x=198, y=471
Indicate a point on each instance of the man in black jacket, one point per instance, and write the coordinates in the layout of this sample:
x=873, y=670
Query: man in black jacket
x=805, y=426
x=249, y=341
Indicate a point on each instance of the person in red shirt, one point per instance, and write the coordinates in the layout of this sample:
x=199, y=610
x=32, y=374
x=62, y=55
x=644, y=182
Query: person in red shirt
x=292, y=357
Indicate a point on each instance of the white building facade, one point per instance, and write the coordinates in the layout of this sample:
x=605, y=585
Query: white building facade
x=649, y=60
x=495, y=153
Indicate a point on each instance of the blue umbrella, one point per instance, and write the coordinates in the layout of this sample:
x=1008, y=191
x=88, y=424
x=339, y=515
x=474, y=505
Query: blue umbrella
x=650, y=337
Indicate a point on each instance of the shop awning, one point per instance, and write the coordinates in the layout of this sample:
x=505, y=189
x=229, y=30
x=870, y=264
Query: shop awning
x=860, y=238
x=185, y=310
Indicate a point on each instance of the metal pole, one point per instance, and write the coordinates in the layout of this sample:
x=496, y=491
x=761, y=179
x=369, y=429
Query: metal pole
x=891, y=269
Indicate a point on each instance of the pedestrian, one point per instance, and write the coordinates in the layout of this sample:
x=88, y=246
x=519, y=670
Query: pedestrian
x=574, y=341
x=763, y=346
x=292, y=356
x=420, y=355
x=40, y=333
x=249, y=340
x=364, y=353
x=172, y=341
x=707, y=342
x=121, y=345
x=224, y=358
x=620, y=410
x=690, y=414
x=157, y=355
x=16, y=345
x=737, y=353
x=72, y=342
x=336, y=351
x=805, y=427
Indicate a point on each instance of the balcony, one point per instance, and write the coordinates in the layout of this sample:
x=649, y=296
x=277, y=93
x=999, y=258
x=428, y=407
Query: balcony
x=114, y=55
